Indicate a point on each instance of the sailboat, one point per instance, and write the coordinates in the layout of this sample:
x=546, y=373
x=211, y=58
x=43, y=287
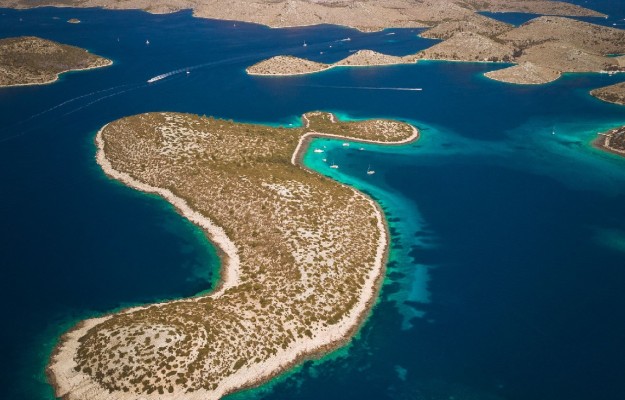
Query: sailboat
x=370, y=171
x=147, y=42
x=334, y=166
x=318, y=151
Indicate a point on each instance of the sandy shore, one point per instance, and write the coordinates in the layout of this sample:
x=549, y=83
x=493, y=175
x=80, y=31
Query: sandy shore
x=70, y=384
x=60, y=371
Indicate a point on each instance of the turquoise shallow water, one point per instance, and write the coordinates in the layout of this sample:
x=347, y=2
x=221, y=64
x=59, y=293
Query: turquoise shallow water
x=507, y=264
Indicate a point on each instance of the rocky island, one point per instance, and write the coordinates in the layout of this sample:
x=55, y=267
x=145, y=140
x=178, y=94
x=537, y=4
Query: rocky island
x=289, y=65
x=365, y=15
x=31, y=60
x=302, y=258
x=612, y=141
x=541, y=49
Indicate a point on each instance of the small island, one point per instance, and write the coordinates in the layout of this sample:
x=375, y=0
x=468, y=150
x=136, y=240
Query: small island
x=541, y=49
x=31, y=60
x=289, y=65
x=302, y=256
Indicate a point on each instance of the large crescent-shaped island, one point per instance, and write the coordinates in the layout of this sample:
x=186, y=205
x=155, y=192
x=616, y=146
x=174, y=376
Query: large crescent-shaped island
x=302, y=258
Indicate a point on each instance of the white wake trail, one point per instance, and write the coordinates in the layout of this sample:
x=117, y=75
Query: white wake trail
x=401, y=89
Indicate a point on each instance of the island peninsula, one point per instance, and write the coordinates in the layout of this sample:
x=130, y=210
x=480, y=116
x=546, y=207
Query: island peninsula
x=302, y=258
x=31, y=60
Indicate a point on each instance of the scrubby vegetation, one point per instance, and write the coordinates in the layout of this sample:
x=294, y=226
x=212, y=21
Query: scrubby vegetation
x=307, y=248
x=379, y=130
x=542, y=48
x=612, y=94
x=30, y=60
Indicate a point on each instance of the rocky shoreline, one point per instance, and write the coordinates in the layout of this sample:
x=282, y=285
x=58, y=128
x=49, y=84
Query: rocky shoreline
x=28, y=60
x=541, y=49
x=75, y=379
x=365, y=15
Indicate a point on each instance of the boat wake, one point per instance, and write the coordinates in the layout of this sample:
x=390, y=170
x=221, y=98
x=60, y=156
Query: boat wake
x=401, y=89
x=65, y=103
x=172, y=73
x=289, y=50
x=127, y=88
x=99, y=99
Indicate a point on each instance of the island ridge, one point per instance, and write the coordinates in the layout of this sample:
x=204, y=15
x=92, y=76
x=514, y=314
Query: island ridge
x=366, y=15
x=542, y=50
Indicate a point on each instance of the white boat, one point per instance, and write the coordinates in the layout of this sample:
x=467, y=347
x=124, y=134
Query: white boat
x=157, y=78
x=318, y=151
x=334, y=166
x=345, y=144
x=305, y=44
x=324, y=159
x=370, y=171
x=361, y=149
x=147, y=42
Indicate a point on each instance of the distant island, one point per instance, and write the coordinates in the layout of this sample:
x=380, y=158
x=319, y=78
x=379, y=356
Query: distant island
x=541, y=49
x=302, y=258
x=289, y=65
x=29, y=60
x=365, y=15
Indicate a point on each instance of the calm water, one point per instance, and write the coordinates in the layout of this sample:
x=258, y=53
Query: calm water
x=508, y=254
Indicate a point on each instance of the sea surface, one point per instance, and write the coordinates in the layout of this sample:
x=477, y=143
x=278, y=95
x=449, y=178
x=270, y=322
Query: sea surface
x=507, y=267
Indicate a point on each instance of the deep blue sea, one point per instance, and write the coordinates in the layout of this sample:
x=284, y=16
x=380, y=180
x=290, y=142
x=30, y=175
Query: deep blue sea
x=507, y=271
